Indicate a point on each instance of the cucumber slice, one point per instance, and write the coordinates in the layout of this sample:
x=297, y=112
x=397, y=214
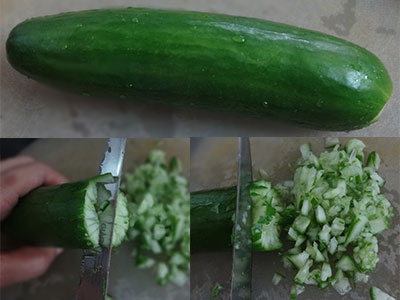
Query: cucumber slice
x=378, y=294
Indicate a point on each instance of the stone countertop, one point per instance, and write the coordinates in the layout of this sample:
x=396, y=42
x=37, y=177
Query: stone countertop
x=31, y=109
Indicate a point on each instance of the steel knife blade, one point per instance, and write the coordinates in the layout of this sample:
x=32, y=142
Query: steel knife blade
x=95, y=265
x=242, y=242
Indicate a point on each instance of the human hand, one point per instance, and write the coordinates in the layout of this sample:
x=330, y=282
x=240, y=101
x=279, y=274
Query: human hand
x=18, y=176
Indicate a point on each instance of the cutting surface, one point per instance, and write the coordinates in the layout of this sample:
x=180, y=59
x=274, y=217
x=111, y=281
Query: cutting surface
x=31, y=109
x=79, y=159
x=212, y=167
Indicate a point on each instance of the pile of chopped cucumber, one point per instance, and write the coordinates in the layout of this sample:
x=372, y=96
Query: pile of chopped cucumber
x=332, y=215
x=159, y=213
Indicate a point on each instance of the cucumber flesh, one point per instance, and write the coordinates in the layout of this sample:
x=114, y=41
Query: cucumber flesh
x=68, y=215
x=378, y=294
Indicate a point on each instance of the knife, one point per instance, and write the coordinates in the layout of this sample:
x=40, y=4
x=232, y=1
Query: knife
x=242, y=242
x=95, y=265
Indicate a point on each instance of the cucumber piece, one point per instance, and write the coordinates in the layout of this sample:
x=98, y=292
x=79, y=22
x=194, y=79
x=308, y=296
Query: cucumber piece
x=209, y=61
x=346, y=264
x=299, y=260
x=211, y=221
x=341, y=283
x=378, y=225
x=277, y=278
x=360, y=277
x=378, y=294
x=337, y=226
x=324, y=234
x=374, y=161
x=296, y=290
x=326, y=271
x=305, y=208
x=67, y=215
x=331, y=142
x=303, y=273
x=265, y=214
x=356, y=227
x=301, y=223
x=121, y=220
x=216, y=290
x=266, y=237
x=320, y=215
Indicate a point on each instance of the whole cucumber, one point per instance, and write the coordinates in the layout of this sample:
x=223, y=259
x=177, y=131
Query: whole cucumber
x=208, y=61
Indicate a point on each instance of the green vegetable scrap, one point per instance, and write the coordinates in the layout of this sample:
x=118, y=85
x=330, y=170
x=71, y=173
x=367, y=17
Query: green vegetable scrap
x=216, y=290
x=159, y=206
x=334, y=214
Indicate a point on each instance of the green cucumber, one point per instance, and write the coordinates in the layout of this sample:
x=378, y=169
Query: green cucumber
x=208, y=61
x=211, y=219
x=67, y=215
x=212, y=213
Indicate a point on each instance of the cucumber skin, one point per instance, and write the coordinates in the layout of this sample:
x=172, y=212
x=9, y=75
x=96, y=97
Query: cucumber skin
x=208, y=61
x=211, y=221
x=51, y=216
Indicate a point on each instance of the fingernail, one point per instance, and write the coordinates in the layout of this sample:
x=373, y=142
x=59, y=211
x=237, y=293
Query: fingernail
x=59, y=250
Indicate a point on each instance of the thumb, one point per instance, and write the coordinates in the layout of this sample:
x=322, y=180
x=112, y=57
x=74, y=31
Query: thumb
x=25, y=263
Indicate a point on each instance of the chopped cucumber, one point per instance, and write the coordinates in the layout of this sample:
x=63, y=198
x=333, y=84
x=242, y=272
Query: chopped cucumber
x=159, y=210
x=299, y=260
x=266, y=216
x=296, y=290
x=377, y=294
x=346, y=264
x=277, y=278
x=301, y=223
x=326, y=271
x=341, y=283
x=216, y=290
x=334, y=213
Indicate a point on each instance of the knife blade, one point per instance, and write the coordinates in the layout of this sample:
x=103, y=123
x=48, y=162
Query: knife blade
x=242, y=243
x=95, y=265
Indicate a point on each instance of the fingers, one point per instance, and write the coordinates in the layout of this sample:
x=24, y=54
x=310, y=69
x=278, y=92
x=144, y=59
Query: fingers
x=25, y=263
x=15, y=162
x=21, y=179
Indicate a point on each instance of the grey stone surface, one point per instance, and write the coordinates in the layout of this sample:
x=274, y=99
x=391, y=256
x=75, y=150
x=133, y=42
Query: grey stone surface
x=31, y=109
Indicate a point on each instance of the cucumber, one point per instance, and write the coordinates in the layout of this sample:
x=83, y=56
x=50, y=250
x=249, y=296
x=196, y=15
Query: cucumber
x=378, y=294
x=208, y=61
x=68, y=215
x=211, y=219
